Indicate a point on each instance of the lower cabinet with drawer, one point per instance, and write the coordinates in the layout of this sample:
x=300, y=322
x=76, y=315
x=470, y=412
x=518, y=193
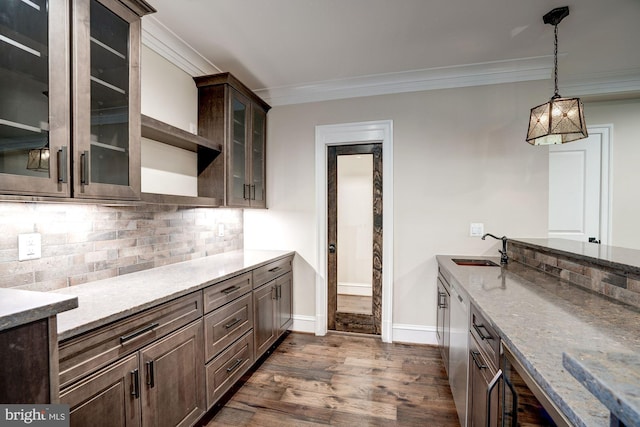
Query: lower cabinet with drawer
x=169, y=364
x=160, y=384
x=228, y=334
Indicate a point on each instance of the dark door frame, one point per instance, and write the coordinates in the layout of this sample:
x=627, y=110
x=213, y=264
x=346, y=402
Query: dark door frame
x=352, y=322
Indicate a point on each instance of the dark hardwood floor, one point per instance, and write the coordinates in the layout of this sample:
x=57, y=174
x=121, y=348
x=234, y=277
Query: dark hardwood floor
x=343, y=380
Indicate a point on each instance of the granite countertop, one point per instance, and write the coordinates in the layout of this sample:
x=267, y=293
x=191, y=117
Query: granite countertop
x=540, y=317
x=612, y=377
x=611, y=256
x=18, y=307
x=104, y=301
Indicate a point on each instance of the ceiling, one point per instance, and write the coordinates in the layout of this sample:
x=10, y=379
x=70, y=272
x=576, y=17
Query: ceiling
x=356, y=47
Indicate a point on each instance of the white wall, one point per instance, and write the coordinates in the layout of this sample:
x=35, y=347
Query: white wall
x=169, y=95
x=625, y=154
x=459, y=157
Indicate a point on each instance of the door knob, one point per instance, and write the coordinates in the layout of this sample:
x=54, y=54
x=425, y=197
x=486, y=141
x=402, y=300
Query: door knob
x=332, y=248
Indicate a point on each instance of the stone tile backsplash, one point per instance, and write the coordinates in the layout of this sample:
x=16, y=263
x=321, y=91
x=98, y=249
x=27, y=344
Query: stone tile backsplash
x=83, y=243
x=618, y=284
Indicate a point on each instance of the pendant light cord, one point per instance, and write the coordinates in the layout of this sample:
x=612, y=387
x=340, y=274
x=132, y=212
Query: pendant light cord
x=555, y=61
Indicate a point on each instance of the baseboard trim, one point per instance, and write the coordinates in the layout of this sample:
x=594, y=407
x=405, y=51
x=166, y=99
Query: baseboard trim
x=351, y=288
x=411, y=334
x=414, y=334
x=304, y=324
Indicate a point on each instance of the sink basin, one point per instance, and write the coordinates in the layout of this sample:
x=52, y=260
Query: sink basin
x=475, y=262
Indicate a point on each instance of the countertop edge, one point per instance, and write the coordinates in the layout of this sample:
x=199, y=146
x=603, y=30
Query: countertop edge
x=32, y=306
x=616, y=403
x=65, y=333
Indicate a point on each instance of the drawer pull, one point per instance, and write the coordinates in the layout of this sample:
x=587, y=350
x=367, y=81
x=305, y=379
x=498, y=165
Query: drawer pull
x=482, y=336
x=474, y=356
x=135, y=383
x=132, y=335
x=490, y=388
x=229, y=290
x=274, y=269
x=235, y=321
x=150, y=374
x=234, y=366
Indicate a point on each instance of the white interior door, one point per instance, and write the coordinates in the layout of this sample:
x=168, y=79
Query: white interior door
x=578, y=188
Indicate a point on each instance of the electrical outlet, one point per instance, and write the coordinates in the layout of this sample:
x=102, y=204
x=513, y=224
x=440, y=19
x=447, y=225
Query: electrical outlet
x=220, y=230
x=29, y=246
x=476, y=229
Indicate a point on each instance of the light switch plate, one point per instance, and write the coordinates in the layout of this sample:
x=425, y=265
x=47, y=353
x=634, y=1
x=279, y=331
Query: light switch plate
x=476, y=229
x=220, y=230
x=29, y=246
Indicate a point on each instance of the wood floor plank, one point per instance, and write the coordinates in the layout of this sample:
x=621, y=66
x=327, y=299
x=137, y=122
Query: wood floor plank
x=343, y=380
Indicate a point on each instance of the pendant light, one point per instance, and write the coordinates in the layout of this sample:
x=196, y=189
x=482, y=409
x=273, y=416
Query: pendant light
x=38, y=159
x=561, y=119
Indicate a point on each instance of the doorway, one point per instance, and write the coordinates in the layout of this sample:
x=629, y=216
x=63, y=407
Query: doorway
x=354, y=233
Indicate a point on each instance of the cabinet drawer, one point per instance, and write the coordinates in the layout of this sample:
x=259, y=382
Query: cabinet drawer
x=227, y=324
x=486, y=336
x=93, y=350
x=268, y=272
x=221, y=293
x=228, y=367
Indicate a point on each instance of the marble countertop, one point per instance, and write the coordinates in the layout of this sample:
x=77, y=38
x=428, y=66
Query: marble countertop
x=614, y=378
x=104, y=301
x=540, y=318
x=18, y=307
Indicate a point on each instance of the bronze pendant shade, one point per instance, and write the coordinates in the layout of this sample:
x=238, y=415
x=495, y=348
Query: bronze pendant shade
x=561, y=119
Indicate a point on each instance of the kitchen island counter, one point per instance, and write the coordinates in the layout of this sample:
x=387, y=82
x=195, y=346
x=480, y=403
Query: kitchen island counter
x=540, y=317
x=105, y=301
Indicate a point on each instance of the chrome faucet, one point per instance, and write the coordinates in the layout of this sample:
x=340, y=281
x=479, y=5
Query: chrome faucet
x=504, y=259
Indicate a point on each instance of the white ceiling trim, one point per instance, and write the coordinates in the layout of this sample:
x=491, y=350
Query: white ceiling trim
x=517, y=70
x=167, y=44
x=612, y=83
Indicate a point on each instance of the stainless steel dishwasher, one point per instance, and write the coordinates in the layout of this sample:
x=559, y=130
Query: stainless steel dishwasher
x=459, y=350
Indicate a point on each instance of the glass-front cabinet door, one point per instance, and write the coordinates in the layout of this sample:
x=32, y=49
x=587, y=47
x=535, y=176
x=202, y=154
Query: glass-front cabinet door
x=258, y=130
x=34, y=97
x=106, y=108
x=238, y=188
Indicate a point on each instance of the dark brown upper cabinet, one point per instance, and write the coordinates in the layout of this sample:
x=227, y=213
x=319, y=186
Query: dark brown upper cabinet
x=234, y=116
x=70, y=98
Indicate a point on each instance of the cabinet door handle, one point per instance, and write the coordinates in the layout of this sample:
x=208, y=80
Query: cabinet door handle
x=234, y=322
x=490, y=388
x=246, y=192
x=135, y=383
x=229, y=290
x=474, y=356
x=150, y=374
x=274, y=269
x=84, y=168
x=137, y=333
x=482, y=335
x=62, y=165
x=279, y=294
x=274, y=293
x=234, y=366
x=441, y=300
x=253, y=191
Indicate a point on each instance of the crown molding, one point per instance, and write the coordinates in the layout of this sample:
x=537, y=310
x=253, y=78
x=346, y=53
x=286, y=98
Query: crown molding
x=609, y=84
x=166, y=43
x=157, y=37
x=487, y=73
